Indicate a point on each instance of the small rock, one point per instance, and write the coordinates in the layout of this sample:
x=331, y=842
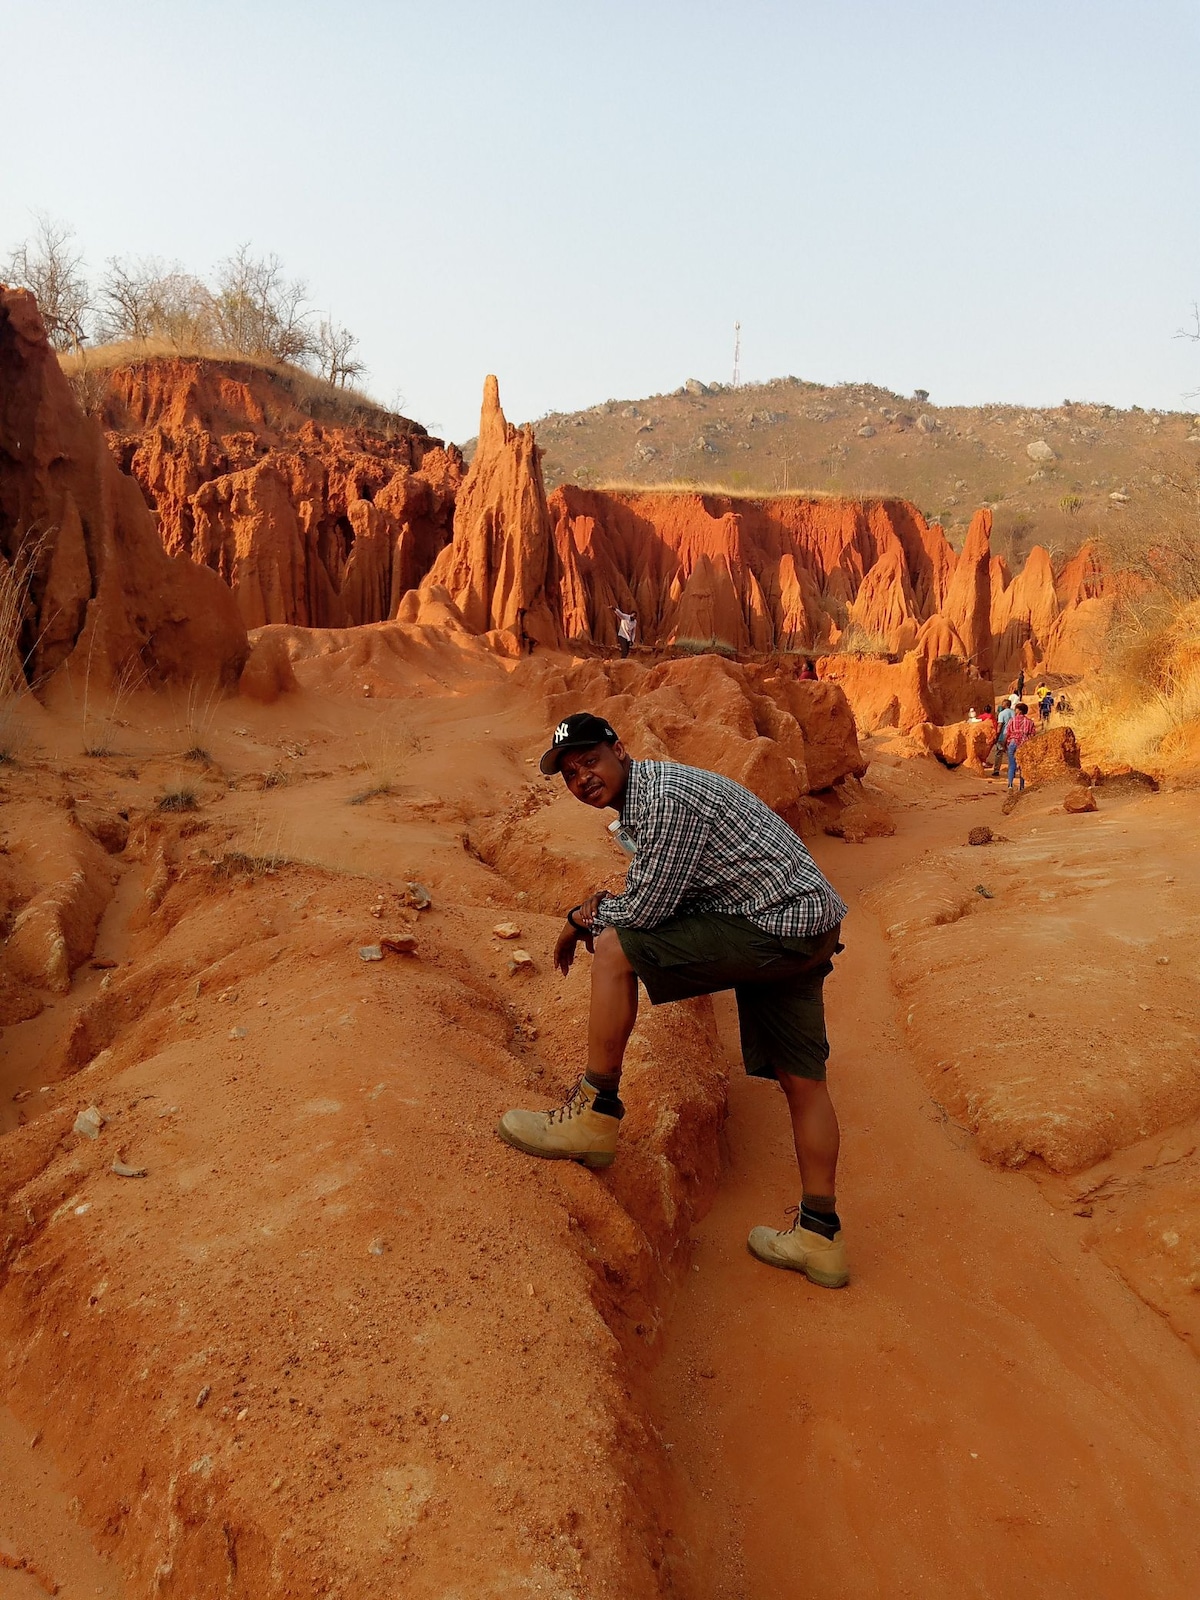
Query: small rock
x=377, y=1247
x=370, y=952
x=980, y=836
x=203, y=1395
x=22, y=1094
x=400, y=944
x=237, y=1033
x=1040, y=452
x=520, y=961
x=89, y=1122
x=123, y=1171
x=242, y=1414
x=1079, y=799
x=102, y=963
x=866, y=431
x=507, y=930
x=1164, y=961
x=445, y=1417
x=418, y=896
x=986, y=893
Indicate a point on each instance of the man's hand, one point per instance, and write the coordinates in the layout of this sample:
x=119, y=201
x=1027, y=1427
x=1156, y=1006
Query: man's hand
x=587, y=911
x=564, y=947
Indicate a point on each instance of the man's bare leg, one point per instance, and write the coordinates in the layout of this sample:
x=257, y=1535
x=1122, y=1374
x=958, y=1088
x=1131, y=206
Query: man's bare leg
x=816, y=1133
x=812, y=1245
x=613, y=1011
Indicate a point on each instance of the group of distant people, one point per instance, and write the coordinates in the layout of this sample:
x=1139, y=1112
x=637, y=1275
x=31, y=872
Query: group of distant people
x=1012, y=725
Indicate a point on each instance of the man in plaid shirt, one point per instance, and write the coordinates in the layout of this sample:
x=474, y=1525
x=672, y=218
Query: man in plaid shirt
x=720, y=894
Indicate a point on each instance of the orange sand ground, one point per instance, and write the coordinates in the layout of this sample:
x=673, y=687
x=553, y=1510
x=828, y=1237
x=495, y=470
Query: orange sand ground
x=430, y=1367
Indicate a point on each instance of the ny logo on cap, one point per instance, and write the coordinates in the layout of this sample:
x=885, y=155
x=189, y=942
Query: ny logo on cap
x=561, y=732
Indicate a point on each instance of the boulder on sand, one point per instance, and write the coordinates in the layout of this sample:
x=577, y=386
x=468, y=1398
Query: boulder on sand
x=1050, y=757
x=958, y=743
x=1079, y=799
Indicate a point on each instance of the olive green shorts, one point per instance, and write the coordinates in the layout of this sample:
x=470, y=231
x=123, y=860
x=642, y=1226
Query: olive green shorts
x=778, y=982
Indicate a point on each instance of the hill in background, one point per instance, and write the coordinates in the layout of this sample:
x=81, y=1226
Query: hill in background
x=1053, y=475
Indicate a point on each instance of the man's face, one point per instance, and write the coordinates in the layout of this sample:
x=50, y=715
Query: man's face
x=595, y=775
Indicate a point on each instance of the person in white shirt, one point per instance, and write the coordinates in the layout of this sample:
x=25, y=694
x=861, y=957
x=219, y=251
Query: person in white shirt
x=626, y=630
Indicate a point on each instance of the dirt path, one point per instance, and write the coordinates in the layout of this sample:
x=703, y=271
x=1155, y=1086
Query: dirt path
x=987, y=1411
x=43, y=1549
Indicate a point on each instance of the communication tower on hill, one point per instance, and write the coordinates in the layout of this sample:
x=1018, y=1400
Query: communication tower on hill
x=737, y=354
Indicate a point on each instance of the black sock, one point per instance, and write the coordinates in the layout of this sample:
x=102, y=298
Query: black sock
x=607, y=1101
x=818, y=1216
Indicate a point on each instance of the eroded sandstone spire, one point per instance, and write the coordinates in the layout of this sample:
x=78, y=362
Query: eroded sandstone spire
x=502, y=568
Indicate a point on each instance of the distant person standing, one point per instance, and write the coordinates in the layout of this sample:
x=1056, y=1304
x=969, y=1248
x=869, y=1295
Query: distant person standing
x=1019, y=729
x=808, y=672
x=1046, y=706
x=1020, y=683
x=626, y=630
x=1004, y=715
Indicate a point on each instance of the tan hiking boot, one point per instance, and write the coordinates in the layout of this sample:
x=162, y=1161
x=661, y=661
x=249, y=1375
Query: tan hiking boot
x=572, y=1132
x=821, y=1260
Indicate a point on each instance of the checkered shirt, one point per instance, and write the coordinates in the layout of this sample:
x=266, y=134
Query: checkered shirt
x=1019, y=729
x=704, y=843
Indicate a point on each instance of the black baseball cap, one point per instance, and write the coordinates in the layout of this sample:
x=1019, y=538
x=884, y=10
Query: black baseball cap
x=579, y=732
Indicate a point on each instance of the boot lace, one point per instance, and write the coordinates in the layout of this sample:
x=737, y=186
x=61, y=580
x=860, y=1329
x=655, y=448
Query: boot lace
x=574, y=1105
x=794, y=1213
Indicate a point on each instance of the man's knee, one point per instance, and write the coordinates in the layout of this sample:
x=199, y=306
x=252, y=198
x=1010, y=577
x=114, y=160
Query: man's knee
x=608, y=952
x=802, y=1091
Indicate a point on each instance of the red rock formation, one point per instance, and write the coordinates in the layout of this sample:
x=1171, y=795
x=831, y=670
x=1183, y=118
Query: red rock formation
x=757, y=723
x=103, y=587
x=958, y=743
x=1023, y=614
x=968, y=603
x=755, y=574
x=322, y=523
x=1085, y=577
x=502, y=571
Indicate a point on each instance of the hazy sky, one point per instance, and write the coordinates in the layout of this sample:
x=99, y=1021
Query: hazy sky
x=989, y=201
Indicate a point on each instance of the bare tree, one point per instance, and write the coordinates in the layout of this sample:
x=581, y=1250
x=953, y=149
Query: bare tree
x=334, y=354
x=152, y=299
x=51, y=265
x=259, y=312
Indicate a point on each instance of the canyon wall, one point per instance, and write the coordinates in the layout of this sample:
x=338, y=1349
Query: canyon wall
x=315, y=512
x=92, y=580
x=314, y=524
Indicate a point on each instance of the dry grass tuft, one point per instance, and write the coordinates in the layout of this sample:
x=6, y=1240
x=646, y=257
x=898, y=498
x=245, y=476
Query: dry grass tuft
x=855, y=640
x=16, y=579
x=705, y=647
x=100, y=728
x=181, y=799
x=1143, y=709
x=384, y=753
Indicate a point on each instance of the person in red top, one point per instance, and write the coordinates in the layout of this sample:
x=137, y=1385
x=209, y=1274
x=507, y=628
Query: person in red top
x=1020, y=727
